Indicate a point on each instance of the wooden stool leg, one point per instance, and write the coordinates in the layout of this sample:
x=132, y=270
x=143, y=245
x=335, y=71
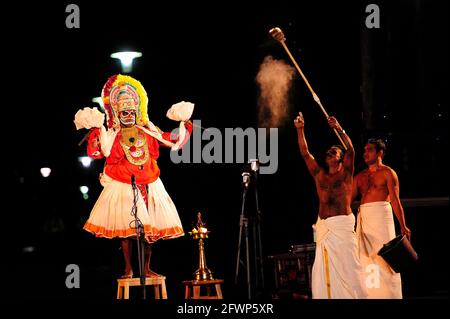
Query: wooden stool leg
x=119, y=291
x=163, y=289
x=156, y=289
x=126, y=289
x=196, y=292
x=219, y=291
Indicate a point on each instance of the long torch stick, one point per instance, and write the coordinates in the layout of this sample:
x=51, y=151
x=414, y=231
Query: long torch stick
x=278, y=35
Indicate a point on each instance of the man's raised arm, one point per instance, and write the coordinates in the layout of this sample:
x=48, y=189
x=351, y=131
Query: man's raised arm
x=311, y=163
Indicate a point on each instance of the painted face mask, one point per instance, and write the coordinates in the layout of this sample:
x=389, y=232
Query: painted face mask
x=127, y=117
x=126, y=106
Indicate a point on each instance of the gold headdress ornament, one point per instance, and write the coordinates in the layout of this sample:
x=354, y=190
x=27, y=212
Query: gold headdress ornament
x=122, y=92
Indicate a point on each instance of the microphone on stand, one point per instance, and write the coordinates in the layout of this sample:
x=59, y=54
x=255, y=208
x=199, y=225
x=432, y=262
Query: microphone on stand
x=245, y=179
x=254, y=165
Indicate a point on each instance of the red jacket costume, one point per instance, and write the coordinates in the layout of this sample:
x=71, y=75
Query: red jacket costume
x=117, y=165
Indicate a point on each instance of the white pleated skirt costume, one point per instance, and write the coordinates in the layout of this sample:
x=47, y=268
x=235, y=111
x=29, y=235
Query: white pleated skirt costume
x=337, y=272
x=376, y=227
x=112, y=216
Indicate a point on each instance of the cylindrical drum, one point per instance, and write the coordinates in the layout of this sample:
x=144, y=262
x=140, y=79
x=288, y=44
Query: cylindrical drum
x=399, y=253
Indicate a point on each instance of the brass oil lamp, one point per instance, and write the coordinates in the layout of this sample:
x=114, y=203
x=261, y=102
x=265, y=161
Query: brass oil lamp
x=200, y=232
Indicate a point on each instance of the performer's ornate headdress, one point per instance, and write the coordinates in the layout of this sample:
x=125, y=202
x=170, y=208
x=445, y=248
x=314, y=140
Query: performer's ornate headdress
x=122, y=92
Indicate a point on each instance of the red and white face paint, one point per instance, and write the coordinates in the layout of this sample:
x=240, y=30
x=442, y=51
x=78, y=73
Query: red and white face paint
x=127, y=109
x=127, y=117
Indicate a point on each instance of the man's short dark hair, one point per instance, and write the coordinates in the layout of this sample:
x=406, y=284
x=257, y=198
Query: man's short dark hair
x=379, y=144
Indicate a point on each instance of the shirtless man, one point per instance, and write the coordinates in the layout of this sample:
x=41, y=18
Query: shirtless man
x=378, y=186
x=337, y=272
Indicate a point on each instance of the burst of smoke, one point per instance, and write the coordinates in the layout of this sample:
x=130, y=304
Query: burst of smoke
x=274, y=79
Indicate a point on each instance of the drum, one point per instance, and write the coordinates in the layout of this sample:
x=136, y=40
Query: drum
x=399, y=253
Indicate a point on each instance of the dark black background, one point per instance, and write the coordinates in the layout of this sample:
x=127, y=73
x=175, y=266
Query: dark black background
x=209, y=54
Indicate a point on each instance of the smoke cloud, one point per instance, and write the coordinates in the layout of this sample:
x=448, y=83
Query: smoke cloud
x=275, y=80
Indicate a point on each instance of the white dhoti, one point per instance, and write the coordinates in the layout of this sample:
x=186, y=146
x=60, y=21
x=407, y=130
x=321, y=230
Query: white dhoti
x=111, y=216
x=376, y=227
x=337, y=272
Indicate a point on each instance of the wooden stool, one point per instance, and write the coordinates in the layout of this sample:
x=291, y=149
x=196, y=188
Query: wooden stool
x=123, y=286
x=193, y=289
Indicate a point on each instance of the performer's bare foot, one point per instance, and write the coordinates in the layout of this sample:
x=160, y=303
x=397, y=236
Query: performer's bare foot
x=151, y=274
x=128, y=274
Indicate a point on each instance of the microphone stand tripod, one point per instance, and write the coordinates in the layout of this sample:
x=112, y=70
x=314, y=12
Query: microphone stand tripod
x=139, y=236
x=243, y=226
x=259, y=262
x=257, y=251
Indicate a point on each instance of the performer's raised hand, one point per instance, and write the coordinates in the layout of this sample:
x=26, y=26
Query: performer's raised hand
x=299, y=121
x=334, y=124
